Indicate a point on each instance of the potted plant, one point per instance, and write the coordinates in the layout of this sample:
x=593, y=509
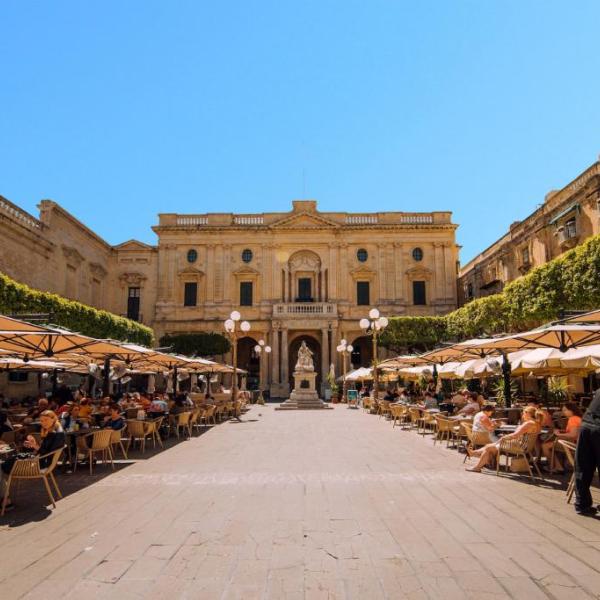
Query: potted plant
x=333, y=386
x=558, y=389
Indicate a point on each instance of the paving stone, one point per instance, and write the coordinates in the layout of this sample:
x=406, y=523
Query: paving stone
x=328, y=504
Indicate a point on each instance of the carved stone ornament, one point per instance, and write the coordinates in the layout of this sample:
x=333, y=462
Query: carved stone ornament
x=72, y=255
x=98, y=270
x=304, y=260
x=132, y=279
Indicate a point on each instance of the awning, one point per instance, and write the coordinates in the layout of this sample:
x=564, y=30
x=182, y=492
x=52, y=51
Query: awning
x=565, y=212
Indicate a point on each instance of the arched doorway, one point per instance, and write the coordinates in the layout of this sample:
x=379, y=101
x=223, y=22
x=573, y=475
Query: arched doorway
x=249, y=361
x=314, y=346
x=362, y=353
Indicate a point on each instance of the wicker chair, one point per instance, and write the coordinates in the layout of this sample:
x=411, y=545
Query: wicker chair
x=117, y=440
x=138, y=431
x=475, y=439
x=520, y=447
x=182, y=421
x=396, y=412
x=29, y=468
x=428, y=422
x=208, y=415
x=415, y=417
x=569, y=450
x=194, y=419
x=446, y=430
x=383, y=408
x=101, y=443
x=153, y=430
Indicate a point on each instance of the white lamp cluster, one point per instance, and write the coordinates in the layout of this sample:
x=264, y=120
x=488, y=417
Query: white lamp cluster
x=231, y=327
x=345, y=349
x=373, y=326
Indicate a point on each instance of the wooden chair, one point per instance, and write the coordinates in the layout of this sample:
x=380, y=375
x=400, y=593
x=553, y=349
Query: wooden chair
x=101, y=443
x=30, y=468
x=117, y=440
x=195, y=415
x=181, y=421
x=521, y=447
x=569, y=450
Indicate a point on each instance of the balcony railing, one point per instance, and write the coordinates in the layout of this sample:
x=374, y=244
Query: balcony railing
x=192, y=220
x=416, y=219
x=305, y=309
x=19, y=215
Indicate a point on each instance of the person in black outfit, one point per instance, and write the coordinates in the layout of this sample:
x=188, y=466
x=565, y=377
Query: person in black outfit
x=52, y=438
x=5, y=426
x=587, y=457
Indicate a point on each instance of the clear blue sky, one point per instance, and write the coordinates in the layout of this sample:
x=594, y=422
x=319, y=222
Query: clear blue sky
x=119, y=110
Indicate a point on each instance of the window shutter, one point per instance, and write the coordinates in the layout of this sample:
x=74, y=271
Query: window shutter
x=245, y=293
x=362, y=293
x=190, y=294
x=419, y=297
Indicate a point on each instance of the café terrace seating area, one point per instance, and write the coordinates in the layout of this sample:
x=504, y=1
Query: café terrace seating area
x=102, y=431
x=436, y=395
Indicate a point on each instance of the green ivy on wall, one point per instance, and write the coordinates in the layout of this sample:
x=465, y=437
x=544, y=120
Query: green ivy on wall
x=18, y=298
x=569, y=282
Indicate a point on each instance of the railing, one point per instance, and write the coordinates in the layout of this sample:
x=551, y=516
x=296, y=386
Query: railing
x=192, y=220
x=249, y=220
x=19, y=215
x=416, y=219
x=305, y=309
x=362, y=219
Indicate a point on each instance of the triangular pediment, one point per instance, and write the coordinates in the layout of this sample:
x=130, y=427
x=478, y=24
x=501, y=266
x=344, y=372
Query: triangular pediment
x=304, y=220
x=132, y=245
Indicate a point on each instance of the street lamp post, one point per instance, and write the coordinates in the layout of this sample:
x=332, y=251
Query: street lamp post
x=232, y=330
x=373, y=326
x=259, y=349
x=345, y=349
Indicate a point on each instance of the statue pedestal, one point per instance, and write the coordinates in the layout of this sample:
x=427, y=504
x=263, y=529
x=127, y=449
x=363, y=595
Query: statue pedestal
x=304, y=395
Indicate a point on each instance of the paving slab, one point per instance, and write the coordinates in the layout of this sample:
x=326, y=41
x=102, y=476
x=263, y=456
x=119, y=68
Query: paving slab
x=299, y=504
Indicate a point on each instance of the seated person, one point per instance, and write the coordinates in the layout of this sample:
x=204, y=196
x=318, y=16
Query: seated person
x=145, y=402
x=178, y=406
x=571, y=432
x=531, y=423
x=85, y=408
x=158, y=407
x=471, y=408
x=459, y=399
x=52, y=438
x=115, y=419
x=483, y=422
x=429, y=401
x=35, y=412
x=69, y=417
x=5, y=425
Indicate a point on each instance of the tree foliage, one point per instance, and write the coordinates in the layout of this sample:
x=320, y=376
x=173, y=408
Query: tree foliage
x=18, y=298
x=569, y=282
x=196, y=344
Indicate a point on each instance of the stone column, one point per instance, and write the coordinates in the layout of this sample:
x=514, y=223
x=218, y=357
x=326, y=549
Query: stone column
x=398, y=273
x=284, y=362
x=324, y=357
x=151, y=383
x=227, y=299
x=210, y=274
x=274, y=357
x=438, y=271
x=381, y=275
x=342, y=273
x=333, y=273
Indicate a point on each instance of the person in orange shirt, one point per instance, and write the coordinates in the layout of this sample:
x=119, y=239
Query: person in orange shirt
x=85, y=408
x=570, y=433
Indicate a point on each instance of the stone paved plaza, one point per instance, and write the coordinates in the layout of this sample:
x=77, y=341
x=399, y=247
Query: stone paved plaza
x=324, y=504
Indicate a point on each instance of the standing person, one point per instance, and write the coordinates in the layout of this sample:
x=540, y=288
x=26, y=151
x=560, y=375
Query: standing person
x=587, y=457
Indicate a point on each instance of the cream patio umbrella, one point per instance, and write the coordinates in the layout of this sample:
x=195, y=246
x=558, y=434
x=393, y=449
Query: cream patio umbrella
x=589, y=317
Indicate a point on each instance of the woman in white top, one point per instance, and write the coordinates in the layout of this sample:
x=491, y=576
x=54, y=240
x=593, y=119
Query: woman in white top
x=483, y=422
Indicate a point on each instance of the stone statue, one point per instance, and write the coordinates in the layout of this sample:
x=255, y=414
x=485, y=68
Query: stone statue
x=305, y=361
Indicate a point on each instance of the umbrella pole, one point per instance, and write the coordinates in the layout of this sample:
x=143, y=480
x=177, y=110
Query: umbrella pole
x=106, y=381
x=54, y=381
x=506, y=379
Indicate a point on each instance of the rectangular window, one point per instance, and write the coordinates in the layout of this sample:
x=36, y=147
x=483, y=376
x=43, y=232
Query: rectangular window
x=245, y=293
x=362, y=293
x=525, y=256
x=18, y=376
x=190, y=293
x=304, y=289
x=419, y=298
x=133, y=303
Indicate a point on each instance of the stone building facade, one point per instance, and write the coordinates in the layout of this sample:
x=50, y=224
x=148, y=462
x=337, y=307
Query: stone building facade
x=565, y=219
x=302, y=275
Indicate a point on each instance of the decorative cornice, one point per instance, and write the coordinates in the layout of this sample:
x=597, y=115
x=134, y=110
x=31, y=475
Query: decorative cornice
x=72, y=255
x=131, y=278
